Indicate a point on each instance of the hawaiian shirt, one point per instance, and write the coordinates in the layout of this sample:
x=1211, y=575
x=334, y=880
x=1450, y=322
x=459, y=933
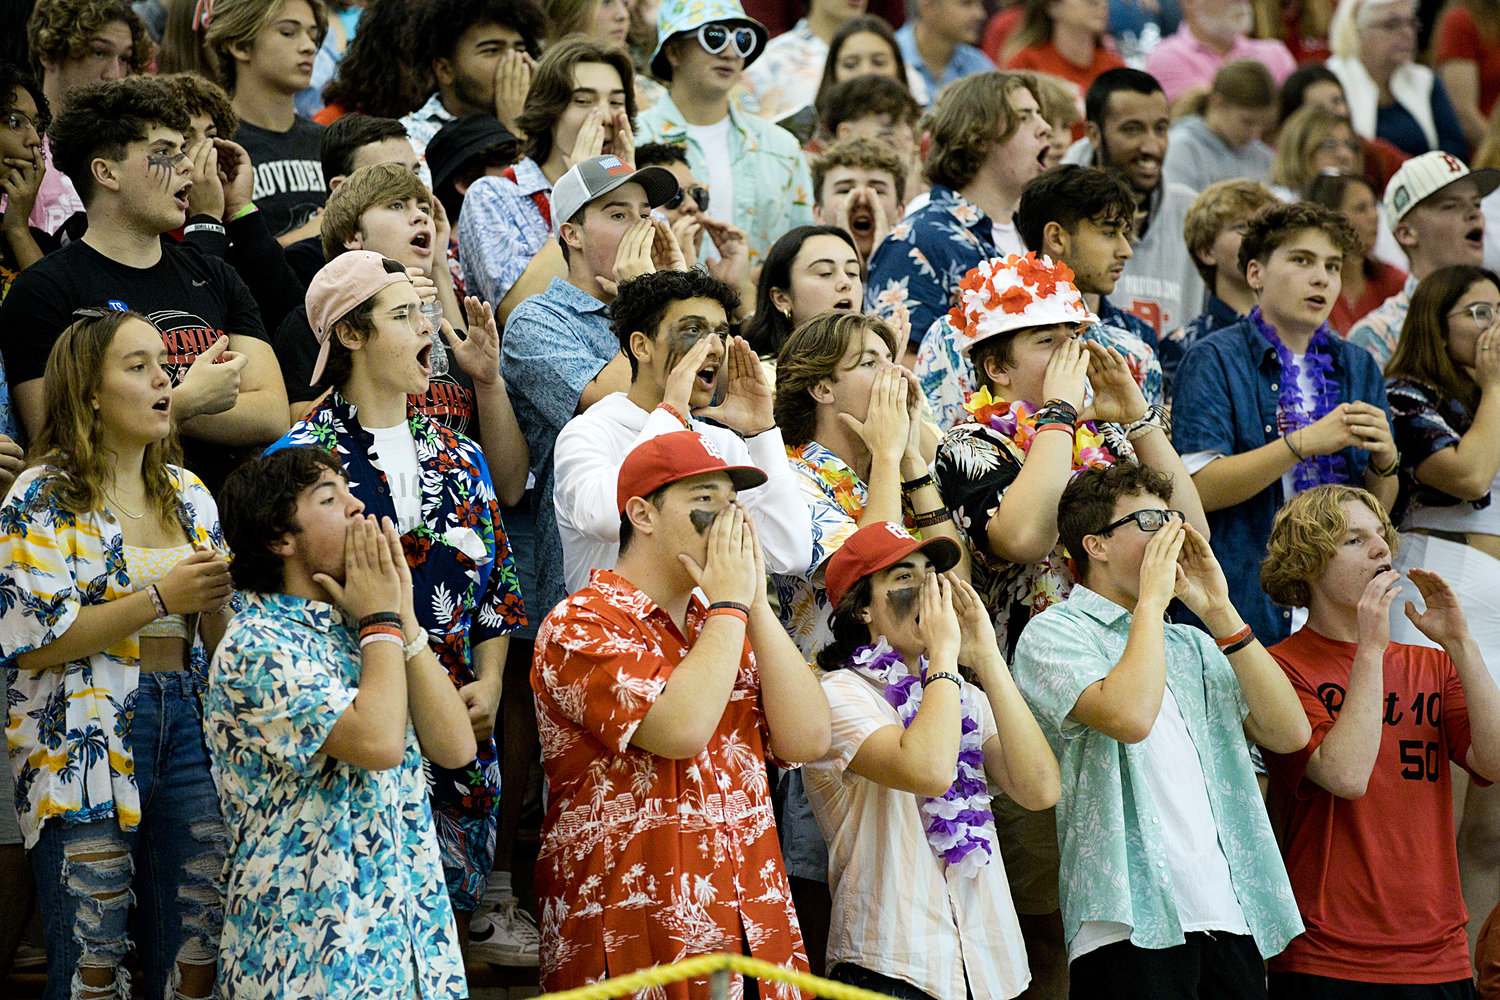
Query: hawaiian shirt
x=947, y=377
x=333, y=885
x=462, y=574
x=1379, y=331
x=974, y=468
x=502, y=228
x=421, y=125
x=915, y=271
x=68, y=728
x=1424, y=423
x=1109, y=830
x=1216, y=315
x=645, y=859
x=836, y=497
x=772, y=186
x=965, y=61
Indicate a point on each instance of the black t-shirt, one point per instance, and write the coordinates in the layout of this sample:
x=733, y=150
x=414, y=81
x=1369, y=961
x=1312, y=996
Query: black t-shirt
x=449, y=399
x=192, y=299
x=10, y=267
x=305, y=258
x=289, y=187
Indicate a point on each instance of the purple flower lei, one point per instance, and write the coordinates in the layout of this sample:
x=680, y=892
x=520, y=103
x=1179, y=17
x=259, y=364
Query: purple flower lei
x=1315, y=470
x=960, y=827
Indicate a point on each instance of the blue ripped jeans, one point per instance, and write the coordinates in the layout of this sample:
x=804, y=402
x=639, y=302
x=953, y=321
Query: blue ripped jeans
x=169, y=869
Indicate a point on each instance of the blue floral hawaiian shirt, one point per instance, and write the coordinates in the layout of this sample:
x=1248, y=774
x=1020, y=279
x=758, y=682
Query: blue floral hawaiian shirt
x=333, y=886
x=462, y=573
x=915, y=271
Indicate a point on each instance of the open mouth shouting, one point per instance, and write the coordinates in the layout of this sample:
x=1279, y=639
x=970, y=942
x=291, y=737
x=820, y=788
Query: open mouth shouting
x=862, y=222
x=163, y=405
x=421, y=242
x=1475, y=239
x=845, y=304
x=424, y=359
x=708, y=377
x=181, y=195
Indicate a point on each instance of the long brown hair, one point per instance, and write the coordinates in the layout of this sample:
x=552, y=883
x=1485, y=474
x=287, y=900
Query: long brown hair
x=811, y=354
x=1422, y=352
x=552, y=89
x=69, y=438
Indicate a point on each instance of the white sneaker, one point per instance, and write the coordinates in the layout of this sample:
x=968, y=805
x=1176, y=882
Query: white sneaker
x=506, y=936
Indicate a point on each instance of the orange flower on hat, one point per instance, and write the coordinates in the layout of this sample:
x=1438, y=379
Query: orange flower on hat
x=1014, y=299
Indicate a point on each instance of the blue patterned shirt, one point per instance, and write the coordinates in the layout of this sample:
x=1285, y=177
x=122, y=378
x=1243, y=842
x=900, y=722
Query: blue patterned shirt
x=1216, y=315
x=965, y=61
x=333, y=885
x=502, y=228
x=1109, y=828
x=462, y=574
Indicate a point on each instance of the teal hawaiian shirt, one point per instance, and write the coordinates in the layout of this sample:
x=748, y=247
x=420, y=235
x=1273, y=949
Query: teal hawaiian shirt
x=772, y=185
x=1109, y=830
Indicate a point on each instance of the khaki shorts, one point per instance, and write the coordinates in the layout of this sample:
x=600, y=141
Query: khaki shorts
x=1028, y=844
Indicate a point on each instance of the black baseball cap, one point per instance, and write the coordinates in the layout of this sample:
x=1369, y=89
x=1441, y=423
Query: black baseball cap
x=461, y=140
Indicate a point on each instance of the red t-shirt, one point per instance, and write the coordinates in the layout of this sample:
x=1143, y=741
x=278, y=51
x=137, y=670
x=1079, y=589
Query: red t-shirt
x=1376, y=878
x=1487, y=958
x=1382, y=280
x=1046, y=59
x=998, y=30
x=1458, y=37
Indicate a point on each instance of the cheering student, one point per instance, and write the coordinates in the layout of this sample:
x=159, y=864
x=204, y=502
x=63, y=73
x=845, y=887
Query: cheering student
x=903, y=795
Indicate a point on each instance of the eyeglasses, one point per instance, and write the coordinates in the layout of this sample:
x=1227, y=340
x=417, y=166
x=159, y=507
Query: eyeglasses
x=415, y=320
x=18, y=121
x=715, y=38
x=699, y=195
x=1482, y=313
x=1147, y=520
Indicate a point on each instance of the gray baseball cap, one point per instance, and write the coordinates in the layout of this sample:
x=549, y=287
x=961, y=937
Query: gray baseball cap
x=597, y=177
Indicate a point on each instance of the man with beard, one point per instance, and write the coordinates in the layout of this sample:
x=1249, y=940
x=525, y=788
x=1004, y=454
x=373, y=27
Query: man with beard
x=1126, y=112
x=1213, y=33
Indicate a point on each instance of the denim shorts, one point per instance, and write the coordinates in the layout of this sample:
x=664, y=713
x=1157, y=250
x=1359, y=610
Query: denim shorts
x=169, y=869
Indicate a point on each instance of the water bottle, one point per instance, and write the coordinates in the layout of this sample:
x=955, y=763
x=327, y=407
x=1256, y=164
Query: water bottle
x=439, y=360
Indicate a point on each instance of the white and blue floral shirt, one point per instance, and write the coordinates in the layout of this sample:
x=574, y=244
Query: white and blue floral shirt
x=333, y=886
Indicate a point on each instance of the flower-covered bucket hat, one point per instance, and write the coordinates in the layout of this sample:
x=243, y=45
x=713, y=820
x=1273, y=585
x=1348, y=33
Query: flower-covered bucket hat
x=676, y=17
x=1012, y=293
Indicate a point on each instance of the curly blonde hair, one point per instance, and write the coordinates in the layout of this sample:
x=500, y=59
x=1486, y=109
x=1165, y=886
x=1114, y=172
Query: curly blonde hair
x=1305, y=535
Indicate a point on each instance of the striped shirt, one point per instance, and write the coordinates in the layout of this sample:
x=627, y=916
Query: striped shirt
x=897, y=910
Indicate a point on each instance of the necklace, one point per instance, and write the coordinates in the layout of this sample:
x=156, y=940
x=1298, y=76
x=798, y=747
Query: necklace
x=121, y=507
x=959, y=825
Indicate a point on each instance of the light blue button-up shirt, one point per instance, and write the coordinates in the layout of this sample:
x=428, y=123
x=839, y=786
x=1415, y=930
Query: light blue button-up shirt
x=965, y=61
x=1109, y=829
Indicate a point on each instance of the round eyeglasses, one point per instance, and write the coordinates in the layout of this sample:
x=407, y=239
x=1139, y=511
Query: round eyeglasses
x=1482, y=313
x=1147, y=520
x=715, y=38
x=699, y=194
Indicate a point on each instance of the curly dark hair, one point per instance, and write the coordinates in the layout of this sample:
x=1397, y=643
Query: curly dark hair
x=101, y=119
x=1273, y=226
x=59, y=30
x=201, y=96
x=642, y=302
x=863, y=96
x=258, y=504
x=1088, y=502
x=14, y=78
x=1067, y=195
x=377, y=75
x=659, y=154
x=442, y=22
x=348, y=135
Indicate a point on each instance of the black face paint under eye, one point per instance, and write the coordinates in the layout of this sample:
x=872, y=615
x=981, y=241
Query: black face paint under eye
x=903, y=602
x=165, y=163
x=701, y=520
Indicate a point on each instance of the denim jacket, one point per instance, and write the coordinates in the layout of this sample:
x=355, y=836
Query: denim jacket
x=1224, y=401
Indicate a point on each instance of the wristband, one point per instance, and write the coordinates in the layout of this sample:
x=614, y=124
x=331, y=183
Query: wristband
x=1239, y=635
x=931, y=517
x=1061, y=404
x=157, y=602
x=736, y=605
x=370, y=640
x=245, y=210
x=206, y=227
x=1156, y=416
x=1056, y=425
x=943, y=676
x=414, y=648
x=732, y=612
x=912, y=485
x=674, y=411
x=1231, y=650
x=1389, y=470
x=380, y=617
x=1293, y=448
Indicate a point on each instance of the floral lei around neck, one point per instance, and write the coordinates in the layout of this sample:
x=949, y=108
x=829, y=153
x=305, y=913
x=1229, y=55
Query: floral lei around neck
x=1017, y=421
x=1291, y=413
x=960, y=827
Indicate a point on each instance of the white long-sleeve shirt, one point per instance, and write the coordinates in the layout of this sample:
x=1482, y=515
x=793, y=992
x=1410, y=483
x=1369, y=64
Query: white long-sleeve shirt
x=587, y=461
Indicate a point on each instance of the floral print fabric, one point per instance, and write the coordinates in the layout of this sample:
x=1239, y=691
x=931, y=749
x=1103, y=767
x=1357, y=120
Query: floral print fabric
x=1424, y=424
x=644, y=859
x=333, y=884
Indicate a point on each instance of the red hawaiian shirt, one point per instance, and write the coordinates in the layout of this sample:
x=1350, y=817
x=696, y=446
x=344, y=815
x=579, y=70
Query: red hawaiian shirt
x=644, y=859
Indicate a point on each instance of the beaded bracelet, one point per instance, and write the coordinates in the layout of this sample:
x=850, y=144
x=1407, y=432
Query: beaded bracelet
x=1239, y=635
x=943, y=676
x=912, y=485
x=414, y=648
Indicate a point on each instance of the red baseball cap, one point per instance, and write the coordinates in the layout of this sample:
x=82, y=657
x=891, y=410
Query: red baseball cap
x=876, y=546
x=667, y=458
